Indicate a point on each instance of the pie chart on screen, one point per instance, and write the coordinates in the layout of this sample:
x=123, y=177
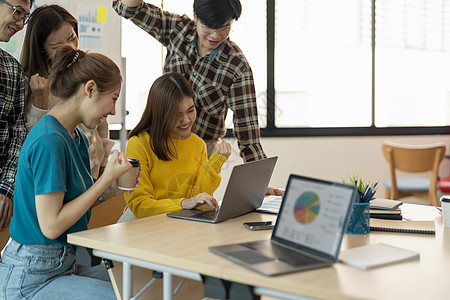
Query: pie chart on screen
x=306, y=208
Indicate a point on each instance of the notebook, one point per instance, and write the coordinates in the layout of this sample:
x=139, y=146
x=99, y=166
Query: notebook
x=376, y=255
x=244, y=193
x=386, y=204
x=311, y=223
x=270, y=205
x=421, y=227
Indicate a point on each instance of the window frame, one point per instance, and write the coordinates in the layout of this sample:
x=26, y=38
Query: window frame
x=272, y=131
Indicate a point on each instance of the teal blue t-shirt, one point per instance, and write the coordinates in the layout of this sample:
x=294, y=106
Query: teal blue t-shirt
x=51, y=160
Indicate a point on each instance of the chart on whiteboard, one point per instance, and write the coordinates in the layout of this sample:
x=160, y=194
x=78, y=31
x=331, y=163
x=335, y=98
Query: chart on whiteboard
x=91, y=19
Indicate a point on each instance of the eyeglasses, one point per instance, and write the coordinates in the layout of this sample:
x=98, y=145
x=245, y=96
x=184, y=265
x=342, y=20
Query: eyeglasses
x=224, y=31
x=19, y=13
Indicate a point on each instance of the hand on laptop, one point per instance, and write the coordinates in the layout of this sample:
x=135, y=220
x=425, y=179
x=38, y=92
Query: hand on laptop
x=199, y=200
x=274, y=191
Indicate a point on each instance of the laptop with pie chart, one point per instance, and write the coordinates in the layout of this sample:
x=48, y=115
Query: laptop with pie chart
x=308, y=233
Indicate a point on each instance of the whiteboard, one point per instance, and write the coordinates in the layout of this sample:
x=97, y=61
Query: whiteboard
x=99, y=29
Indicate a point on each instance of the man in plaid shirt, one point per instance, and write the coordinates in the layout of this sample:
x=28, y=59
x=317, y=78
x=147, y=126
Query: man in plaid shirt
x=215, y=66
x=13, y=15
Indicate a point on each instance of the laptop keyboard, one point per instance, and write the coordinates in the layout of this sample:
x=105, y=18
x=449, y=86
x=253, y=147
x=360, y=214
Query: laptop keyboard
x=284, y=254
x=207, y=214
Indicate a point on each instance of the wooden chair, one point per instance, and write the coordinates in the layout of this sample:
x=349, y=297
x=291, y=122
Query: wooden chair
x=107, y=213
x=104, y=214
x=415, y=159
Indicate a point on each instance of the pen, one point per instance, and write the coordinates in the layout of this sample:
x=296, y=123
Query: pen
x=364, y=193
x=368, y=195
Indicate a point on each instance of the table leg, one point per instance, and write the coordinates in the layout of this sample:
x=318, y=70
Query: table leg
x=127, y=281
x=167, y=286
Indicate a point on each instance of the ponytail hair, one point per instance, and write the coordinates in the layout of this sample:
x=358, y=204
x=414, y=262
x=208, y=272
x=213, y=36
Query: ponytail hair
x=72, y=68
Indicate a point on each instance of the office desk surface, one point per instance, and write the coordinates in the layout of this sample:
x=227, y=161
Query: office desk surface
x=184, y=244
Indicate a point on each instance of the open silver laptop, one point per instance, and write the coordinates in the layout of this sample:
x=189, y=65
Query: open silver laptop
x=311, y=223
x=244, y=193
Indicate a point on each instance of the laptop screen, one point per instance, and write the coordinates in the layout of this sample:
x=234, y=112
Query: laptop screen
x=314, y=214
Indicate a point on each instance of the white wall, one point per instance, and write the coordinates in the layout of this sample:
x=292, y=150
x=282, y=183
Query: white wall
x=332, y=158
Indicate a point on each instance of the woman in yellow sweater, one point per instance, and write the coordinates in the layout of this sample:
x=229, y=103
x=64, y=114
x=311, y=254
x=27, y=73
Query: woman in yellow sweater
x=176, y=173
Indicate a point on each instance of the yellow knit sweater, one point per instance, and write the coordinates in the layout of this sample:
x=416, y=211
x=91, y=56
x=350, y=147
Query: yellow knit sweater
x=164, y=184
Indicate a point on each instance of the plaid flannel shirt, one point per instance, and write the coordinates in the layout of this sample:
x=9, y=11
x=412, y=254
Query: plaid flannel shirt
x=221, y=80
x=12, y=121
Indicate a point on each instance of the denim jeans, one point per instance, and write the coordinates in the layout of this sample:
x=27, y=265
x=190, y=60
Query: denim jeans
x=50, y=272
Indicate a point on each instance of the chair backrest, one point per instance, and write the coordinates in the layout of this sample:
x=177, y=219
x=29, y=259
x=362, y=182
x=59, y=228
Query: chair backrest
x=414, y=158
x=107, y=213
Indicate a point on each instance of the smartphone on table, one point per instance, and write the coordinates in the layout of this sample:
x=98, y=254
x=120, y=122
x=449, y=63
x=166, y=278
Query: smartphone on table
x=259, y=225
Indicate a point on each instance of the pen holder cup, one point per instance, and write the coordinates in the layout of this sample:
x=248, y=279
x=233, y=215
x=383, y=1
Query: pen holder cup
x=359, y=219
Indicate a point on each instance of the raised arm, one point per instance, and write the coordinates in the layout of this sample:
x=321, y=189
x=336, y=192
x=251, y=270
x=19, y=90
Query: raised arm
x=55, y=216
x=39, y=91
x=162, y=25
x=242, y=101
x=103, y=132
x=209, y=178
x=39, y=95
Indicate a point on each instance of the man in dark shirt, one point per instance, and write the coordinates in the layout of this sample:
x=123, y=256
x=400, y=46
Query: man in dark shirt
x=13, y=15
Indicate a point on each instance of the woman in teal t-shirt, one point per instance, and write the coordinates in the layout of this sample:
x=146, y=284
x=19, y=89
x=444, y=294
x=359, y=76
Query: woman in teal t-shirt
x=54, y=188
